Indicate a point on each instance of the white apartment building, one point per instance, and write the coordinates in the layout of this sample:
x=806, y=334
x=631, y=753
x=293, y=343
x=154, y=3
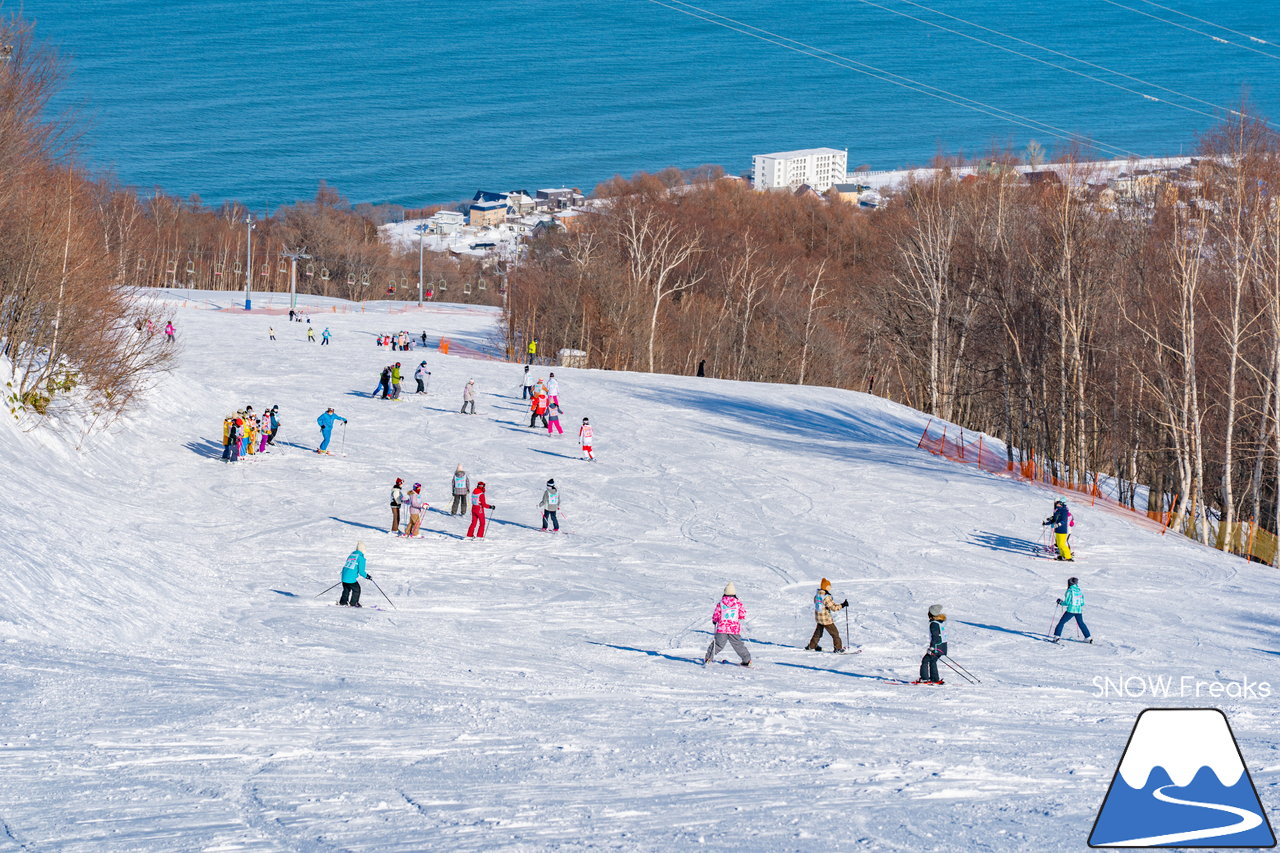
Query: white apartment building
x=817, y=167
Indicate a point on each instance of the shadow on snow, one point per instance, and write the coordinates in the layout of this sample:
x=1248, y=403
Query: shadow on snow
x=1028, y=634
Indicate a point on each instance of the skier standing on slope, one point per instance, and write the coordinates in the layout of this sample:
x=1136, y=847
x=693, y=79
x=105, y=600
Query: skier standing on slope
x=416, y=506
x=384, y=383
x=326, y=422
x=460, y=485
x=538, y=408
x=728, y=617
x=352, y=571
x=168, y=331
x=553, y=390
x=553, y=419
x=550, y=505
x=324, y=337
x=397, y=498
x=526, y=384
x=420, y=376
x=823, y=606
x=311, y=333
x=469, y=396
x=271, y=332
x=937, y=646
x=275, y=424
x=1073, y=601
x=478, y=505
x=395, y=381
x=585, y=438
x=1061, y=523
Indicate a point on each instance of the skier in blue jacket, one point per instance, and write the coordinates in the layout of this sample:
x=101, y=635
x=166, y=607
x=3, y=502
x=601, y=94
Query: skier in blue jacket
x=937, y=646
x=326, y=422
x=1061, y=523
x=1073, y=601
x=352, y=571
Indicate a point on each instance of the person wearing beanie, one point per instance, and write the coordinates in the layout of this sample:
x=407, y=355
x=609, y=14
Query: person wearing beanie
x=727, y=618
x=352, y=571
x=469, y=396
x=397, y=498
x=937, y=646
x=461, y=485
x=585, y=437
x=526, y=384
x=1061, y=522
x=550, y=505
x=479, y=504
x=416, y=506
x=823, y=606
x=1073, y=601
x=420, y=376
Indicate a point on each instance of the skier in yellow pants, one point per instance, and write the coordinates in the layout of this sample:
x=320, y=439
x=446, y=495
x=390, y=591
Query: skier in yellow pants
x=1061, y=523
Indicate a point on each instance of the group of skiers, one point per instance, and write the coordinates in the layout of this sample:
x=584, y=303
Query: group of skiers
x=464, y=496
x=247, y=434
x=401, y=341
x=390, y=378
x=1061, y=521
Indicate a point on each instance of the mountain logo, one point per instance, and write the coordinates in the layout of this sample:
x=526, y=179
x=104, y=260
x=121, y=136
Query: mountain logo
x=1182, y=782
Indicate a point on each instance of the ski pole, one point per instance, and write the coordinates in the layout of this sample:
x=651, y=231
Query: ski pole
x=384, y=595
x=318, y=594
x=1057, y=613
x=958, y=672
x=343, y=448
x=953, y=664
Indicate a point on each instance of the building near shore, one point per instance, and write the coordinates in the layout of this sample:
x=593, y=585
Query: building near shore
x=482, y=213
x=817, y=167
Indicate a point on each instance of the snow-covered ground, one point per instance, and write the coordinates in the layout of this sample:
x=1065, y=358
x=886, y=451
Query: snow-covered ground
x=172, y=683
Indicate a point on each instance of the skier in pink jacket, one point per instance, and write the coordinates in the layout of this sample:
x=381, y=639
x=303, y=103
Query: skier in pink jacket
x=728, y=617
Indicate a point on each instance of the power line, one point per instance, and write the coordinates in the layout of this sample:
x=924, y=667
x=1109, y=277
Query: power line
x=888, y=76
x=1055, y=53
x=1218, y=39
x=1210, y=23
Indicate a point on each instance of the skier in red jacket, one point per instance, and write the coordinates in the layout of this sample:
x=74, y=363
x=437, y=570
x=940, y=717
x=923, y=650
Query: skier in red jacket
x=478, y=506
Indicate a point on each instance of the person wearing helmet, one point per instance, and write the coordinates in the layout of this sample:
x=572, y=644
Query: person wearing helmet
x=275, y=424
x=586, y=437
x=395, y=381
x=550, y=506
x=1073, y=602
x=326, y=422
x=397, y=498
x=727, y=618
x=420, y=376
x=416, y=506
x=352, y=571
x=823, y=606
x=1061, y=523
x=460, y=485
x=469, y=396
x=478, y=505
x=937, y=647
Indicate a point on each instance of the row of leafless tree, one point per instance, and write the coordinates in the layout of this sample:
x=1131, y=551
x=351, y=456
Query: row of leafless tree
x=1139, y=338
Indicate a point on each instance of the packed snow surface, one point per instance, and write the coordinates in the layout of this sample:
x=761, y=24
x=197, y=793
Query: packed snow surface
x=173, y=682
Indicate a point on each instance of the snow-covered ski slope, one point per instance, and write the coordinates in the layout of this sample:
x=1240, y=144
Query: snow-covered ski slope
x=171, y=683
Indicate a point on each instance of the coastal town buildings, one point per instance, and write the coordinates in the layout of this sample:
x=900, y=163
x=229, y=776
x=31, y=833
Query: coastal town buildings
x=817, y=167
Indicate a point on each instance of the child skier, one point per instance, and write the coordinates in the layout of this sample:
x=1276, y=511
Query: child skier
x=1061, y=522
x=326, y=422
x=553, y=420
x=416, y=506
x=352, y=571
x=469, y=396
x=324, y=337
x=420, y=376
x=823, y=606
x=728, y=617
x=585, y=437
x=168, y=331
x=526, y=384
x=538, y=408
x=478, y=506
x=275, y=424
x=550, y=505
x=553, y=390
x=937, y=647
x=397, y=498
x=461, y=485
x=311, y=333
x=1073, y=601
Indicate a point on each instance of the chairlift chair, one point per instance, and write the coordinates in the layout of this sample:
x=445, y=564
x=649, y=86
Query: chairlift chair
x=238, y=269
x=351, y=279
x=191, y=267
x=324, y=273
x=217, y=269
x=466, y=287
x=310, y=269
x=266, y=270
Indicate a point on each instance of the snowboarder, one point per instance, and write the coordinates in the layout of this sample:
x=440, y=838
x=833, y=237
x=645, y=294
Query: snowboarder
x=352, y=571
x=1061, y=523
x=168, y=331
x=553, y=390
x=823, y=606
x=326, y=422
x=728, y=617
x=478, y=506
x=538, y=408
x=311, y=333
x=550, y=505
x=416, y=506
x=1073, y=601
x=420, y=376
x=937, y=646
x=585, y=437
x=553, y=419
x=526, y=384
x=469, y=396
x=461, y=485
x=397, y=498
x=395, y=381
x=324, y=337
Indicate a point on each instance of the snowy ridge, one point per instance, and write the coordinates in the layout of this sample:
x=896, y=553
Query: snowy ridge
x=172, y=673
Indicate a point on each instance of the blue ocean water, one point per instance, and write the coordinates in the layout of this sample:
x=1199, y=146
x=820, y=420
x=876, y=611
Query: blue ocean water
x=411, y=101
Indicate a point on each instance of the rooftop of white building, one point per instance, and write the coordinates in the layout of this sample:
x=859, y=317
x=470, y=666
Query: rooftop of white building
x=803, y=152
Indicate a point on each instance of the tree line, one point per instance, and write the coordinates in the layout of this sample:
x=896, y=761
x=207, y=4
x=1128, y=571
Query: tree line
x=1137, y=337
